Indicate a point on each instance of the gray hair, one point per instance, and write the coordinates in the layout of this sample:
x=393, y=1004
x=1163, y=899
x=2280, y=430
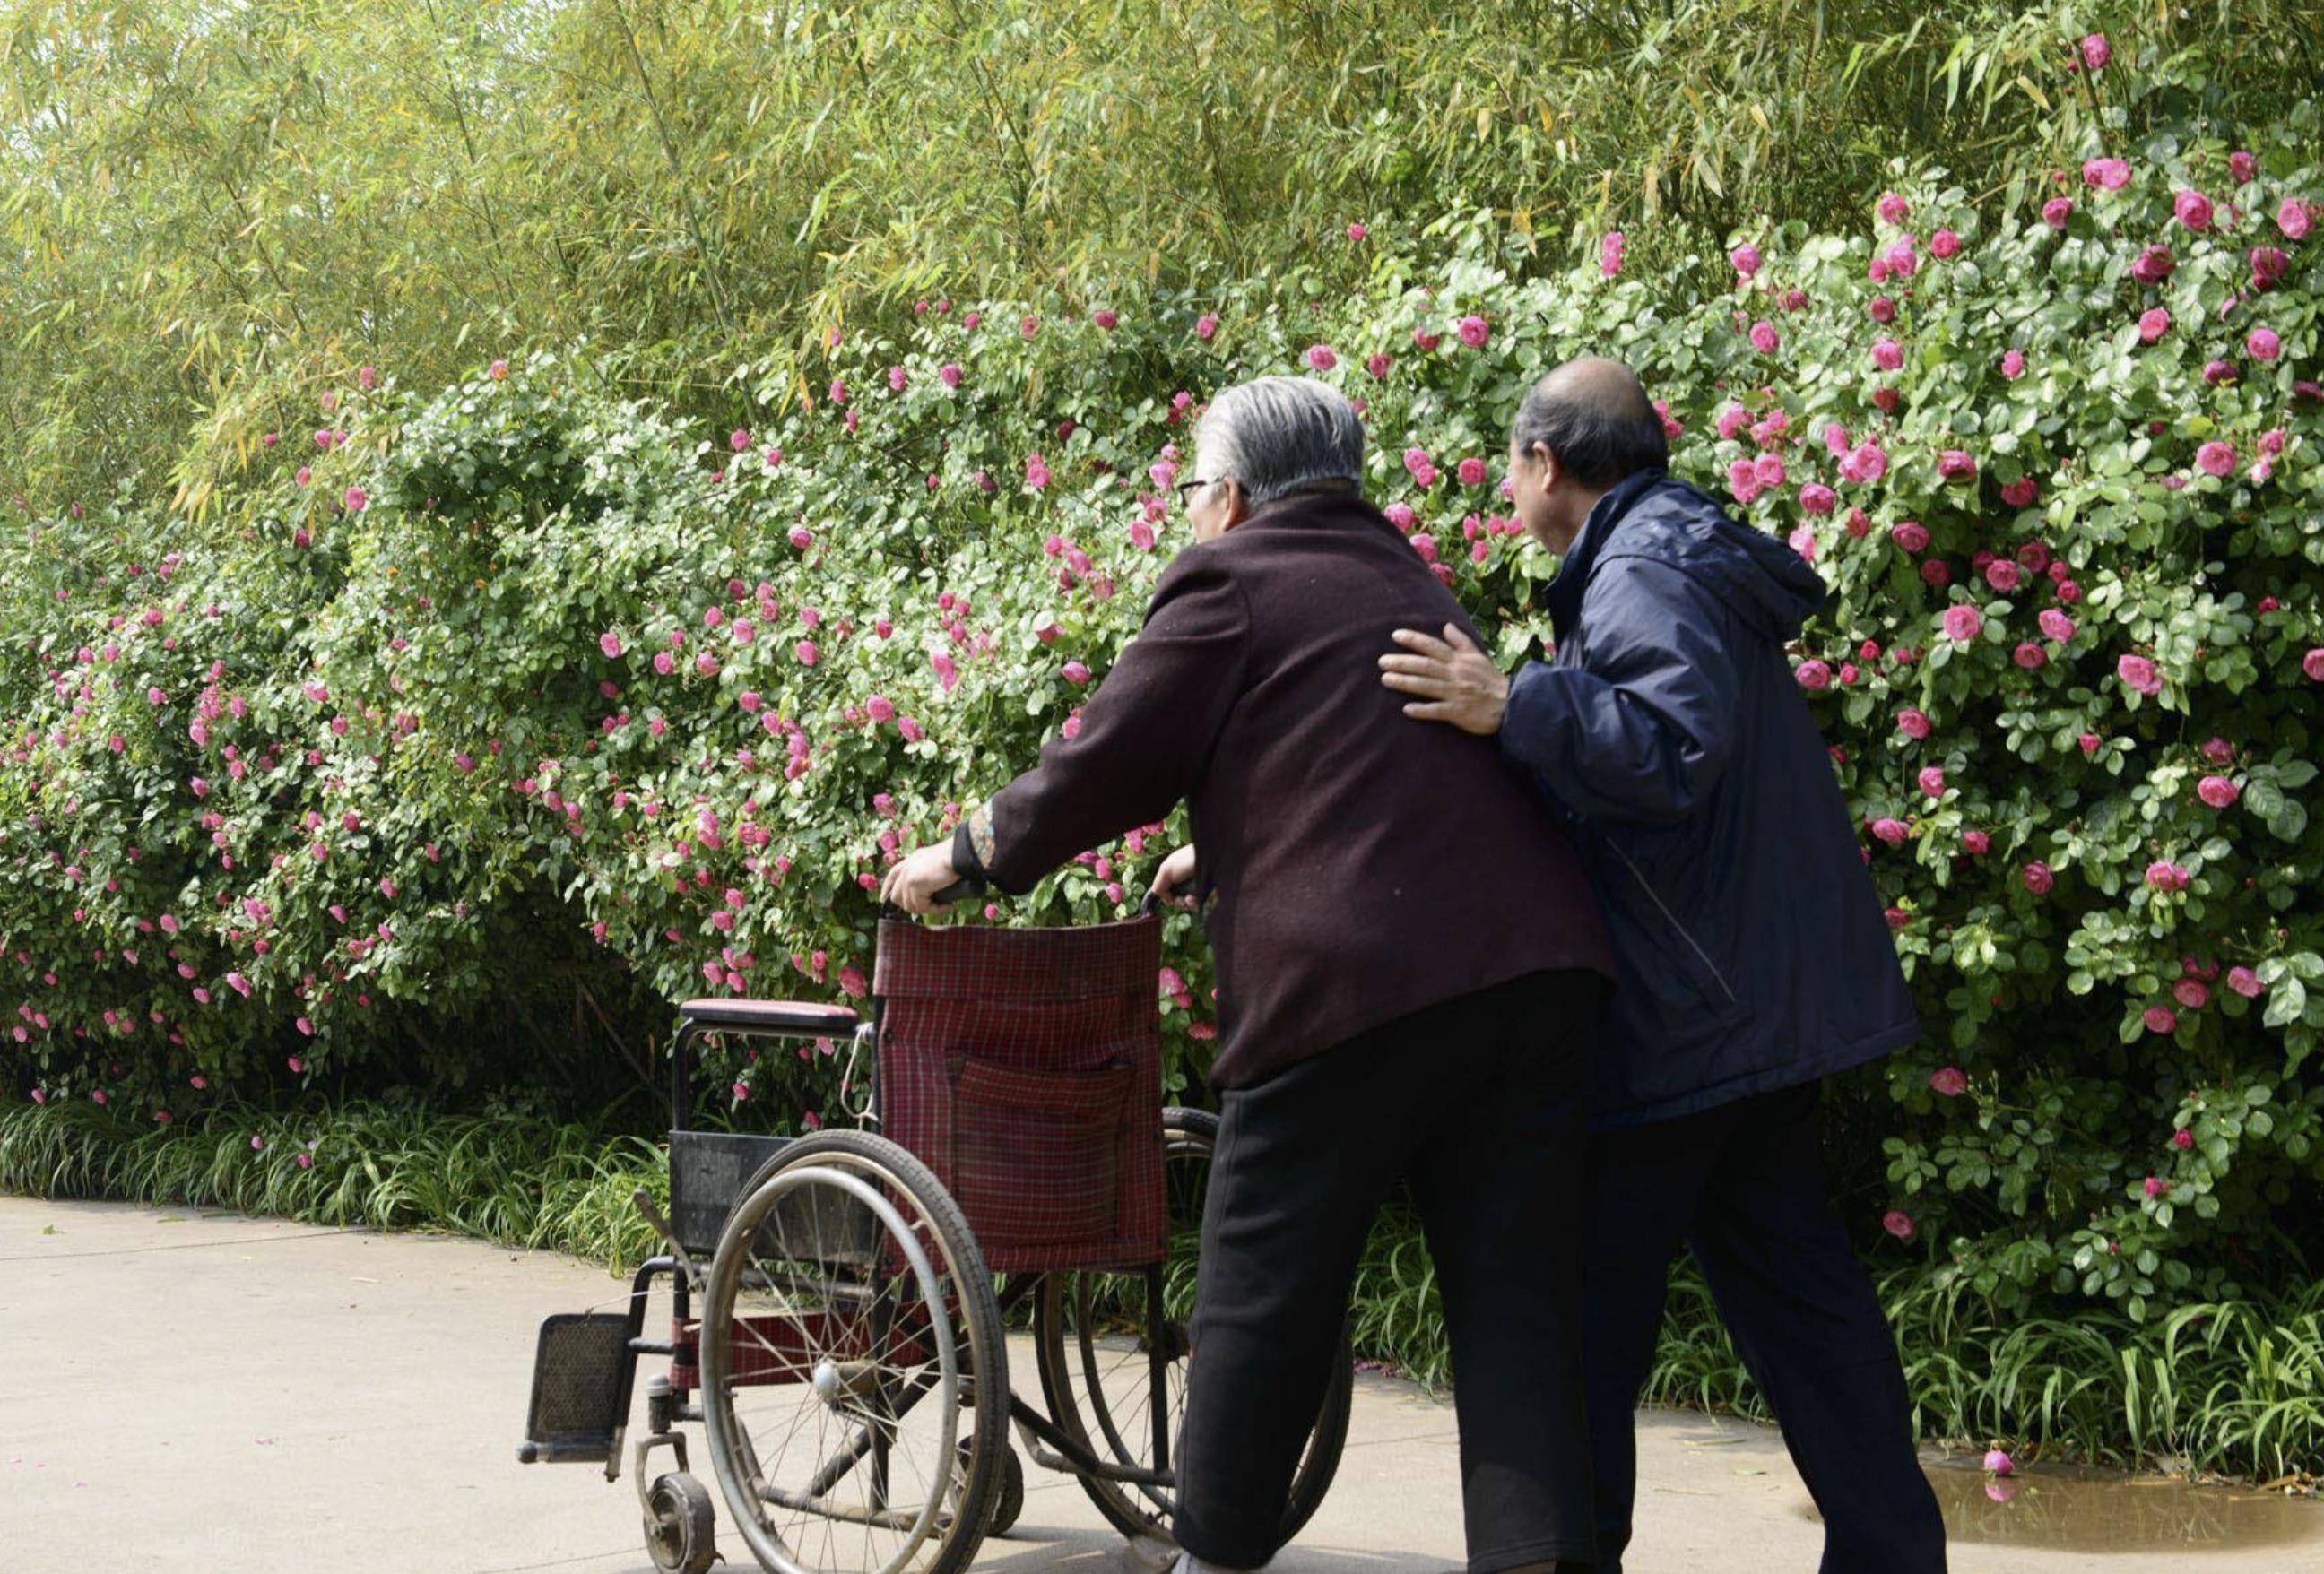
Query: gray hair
x=1282, y=435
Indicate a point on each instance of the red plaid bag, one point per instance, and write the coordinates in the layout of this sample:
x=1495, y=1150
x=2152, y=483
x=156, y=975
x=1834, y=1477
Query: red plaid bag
x=1024, y=1067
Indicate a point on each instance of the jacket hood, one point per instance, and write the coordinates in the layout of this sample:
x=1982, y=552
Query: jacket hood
x=1766, y=582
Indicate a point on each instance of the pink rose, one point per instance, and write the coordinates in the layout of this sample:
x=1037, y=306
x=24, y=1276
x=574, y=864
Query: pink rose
x=1913, y=724
x=2153, y=265
x=2219, y=792
x=1814, y=676
x=1610, y=254
x=1948, y=1081
x=2106, y=174
x=1892, y=831
x=2292, y=218
x=1953, y=465
x=2245, y=982
x=1963, y=624
x=2312, y=664
x=2057, y=211
x=1910, y=535
x=1899, y=1223
x=1999, y=1463
x=2013, y=365
x=2216, y=458
x=1891, y=208
x=805, y=652
x=2193, y=993
x=2154, y=323
x=1473, y=332
x=1945, y=244
x=611, y=644
x=1037, y=472
x=1321, y=358
x=1932, y=781
x=2162, y=875
x=2021, y=492
x=1076, y=673
x=1746, y=259
x=2030, y=656
x=2138, y=673
x=2193, y=210
x=1815, y=498
x=2160, y=1020
x=2154, y=1185
x=1764, y=337
x=2056, y=624
x=2037, y=878
x=2264, y=344
x=1977, y=843
x=1471, y=471
x=1206, y=327
x=2096, y=55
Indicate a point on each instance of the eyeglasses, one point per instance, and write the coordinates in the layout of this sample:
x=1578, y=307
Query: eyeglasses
x=1186, y=487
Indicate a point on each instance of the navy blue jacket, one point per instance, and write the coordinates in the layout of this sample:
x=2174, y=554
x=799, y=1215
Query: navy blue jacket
x=1752, y=950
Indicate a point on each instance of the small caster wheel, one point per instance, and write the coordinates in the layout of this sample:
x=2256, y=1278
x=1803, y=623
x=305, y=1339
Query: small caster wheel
x=1008, y=1494
x=679, y=1524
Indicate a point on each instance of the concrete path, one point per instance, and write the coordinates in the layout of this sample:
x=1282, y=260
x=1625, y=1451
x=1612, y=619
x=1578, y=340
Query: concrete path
x=184, y=1393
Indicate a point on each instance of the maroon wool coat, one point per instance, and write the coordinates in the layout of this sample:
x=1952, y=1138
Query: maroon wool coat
x=1365, y=864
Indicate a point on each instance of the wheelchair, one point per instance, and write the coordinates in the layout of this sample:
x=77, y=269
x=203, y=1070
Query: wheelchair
x=845, y=1306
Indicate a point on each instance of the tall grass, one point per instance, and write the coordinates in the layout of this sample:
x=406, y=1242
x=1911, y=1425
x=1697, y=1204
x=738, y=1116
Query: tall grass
x=2233, y=1387
x=516, y=1179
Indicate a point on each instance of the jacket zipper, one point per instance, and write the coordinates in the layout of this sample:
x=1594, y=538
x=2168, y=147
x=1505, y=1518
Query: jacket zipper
x=1670, y=919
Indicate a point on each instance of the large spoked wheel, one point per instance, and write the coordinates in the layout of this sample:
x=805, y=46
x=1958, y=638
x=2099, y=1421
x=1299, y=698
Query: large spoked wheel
x=854, y=1384
x=1112, y=1351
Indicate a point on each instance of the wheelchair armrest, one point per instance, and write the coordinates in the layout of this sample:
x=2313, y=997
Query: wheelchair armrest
x=789, y=1018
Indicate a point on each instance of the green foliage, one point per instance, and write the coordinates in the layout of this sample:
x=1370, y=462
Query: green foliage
x=507, y=1174
x=211, y=214
x=465, y=674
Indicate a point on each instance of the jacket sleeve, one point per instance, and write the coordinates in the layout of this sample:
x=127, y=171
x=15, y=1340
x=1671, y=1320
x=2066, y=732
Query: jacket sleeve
x=1640, y=731
x=1145, y=735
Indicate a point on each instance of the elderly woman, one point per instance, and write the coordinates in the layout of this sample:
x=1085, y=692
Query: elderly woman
x=1411, y=975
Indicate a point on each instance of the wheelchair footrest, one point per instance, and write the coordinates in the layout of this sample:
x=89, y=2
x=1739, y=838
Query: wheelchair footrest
x=580, y=1383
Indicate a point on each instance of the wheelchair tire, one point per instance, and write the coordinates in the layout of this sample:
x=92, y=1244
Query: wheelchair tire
x=886, y=1314
x=681, y=1525
x=1072, y=1353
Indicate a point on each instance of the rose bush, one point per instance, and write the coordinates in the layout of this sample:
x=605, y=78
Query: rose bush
x=463, y=668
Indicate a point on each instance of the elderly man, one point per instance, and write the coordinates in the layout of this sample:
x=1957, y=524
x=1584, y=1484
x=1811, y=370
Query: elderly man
x=1410, y=976
x=1751, y=949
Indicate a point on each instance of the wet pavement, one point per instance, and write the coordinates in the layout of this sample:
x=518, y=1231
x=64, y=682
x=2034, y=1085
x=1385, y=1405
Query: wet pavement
x=2068, y=1510
x=186, y=1392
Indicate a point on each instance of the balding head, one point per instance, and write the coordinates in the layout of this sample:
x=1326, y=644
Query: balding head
x=1594, y=418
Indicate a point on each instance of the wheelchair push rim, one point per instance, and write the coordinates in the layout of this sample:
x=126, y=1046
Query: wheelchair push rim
x=844, y=1317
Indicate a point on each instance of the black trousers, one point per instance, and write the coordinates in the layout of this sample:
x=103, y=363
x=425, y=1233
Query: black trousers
x=1742, y=1186
x=1478, y=1101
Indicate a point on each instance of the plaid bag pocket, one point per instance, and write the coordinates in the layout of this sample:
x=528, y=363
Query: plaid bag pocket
x=1036, y=1155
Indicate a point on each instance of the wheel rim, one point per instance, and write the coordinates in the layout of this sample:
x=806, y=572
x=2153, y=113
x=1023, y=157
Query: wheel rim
x=849, y=1376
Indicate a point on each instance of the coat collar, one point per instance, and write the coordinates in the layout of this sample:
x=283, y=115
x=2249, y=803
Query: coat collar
x=1564, y=593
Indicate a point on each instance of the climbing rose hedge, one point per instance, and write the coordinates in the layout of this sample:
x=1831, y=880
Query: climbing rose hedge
x=455, y=668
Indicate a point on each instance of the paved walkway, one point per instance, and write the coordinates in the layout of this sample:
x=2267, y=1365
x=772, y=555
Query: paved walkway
x=206, y=1393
